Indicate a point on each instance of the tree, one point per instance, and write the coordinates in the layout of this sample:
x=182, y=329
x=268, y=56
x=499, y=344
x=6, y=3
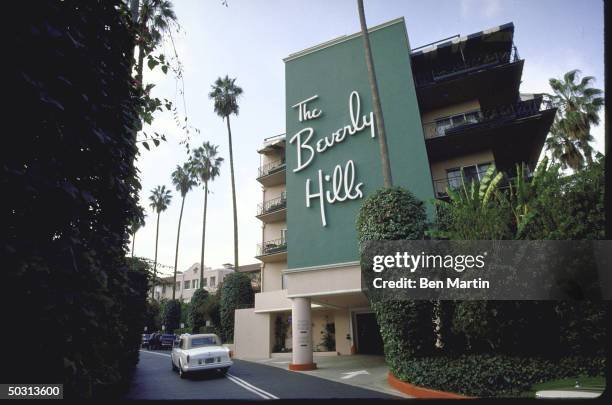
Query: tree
x=154, y=19
x=225, y=94
x=171, y=316
x=160, y=200
x=578, y=108
x=378, y=114
x=236, y=293
x=205, y=165
x=196, y=317
x=183, y=180
x=135, y=224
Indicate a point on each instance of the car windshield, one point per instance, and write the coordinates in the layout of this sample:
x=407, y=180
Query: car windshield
x=203, y=341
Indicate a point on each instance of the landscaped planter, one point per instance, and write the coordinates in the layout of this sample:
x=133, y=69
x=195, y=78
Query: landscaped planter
x=420, y=392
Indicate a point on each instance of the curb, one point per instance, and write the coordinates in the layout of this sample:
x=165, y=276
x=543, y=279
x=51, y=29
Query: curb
x=302, y=367
x=420, y=392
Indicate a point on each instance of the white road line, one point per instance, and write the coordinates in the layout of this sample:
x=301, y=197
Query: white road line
x=239, y=381
x=159, y=354
x=262, y=393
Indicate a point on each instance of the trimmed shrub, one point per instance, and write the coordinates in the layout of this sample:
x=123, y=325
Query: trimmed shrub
x=236, y=293
x=391, y=214
x=487, y=375
x=197, y=316
x=406, y=326
x=171, y=316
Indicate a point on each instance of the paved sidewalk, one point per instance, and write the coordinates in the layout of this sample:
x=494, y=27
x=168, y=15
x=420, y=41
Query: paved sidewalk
x=359, y=370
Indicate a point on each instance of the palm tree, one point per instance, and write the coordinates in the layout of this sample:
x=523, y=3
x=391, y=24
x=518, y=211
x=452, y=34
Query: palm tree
x=135, y=224
x=205, y=165
x=562, y=149
x=225, y=94
x=183, y=180
x=378, y=114
x=154, y=19
x=160, y=200
x=578, y=107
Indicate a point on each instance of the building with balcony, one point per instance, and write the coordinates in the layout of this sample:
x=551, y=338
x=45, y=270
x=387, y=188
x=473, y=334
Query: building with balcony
x=187, y=282
x=452, y=109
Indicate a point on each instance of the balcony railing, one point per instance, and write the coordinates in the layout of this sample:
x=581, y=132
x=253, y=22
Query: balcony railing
x=454, y=183
x=444, y=126
x=272, y=205
x=271, y=247
x=271, y=167
x=466, y=65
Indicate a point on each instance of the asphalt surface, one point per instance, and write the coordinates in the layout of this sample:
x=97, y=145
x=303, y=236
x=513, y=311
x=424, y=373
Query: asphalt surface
x=154, y=379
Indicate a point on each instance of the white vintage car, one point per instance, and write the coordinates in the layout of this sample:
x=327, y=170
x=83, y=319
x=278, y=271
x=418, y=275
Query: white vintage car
x=199, y=353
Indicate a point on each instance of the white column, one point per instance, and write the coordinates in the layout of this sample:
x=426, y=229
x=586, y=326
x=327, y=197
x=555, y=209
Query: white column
x=301, y=324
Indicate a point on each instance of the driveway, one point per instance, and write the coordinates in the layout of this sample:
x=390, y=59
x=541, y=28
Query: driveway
x=154, y=379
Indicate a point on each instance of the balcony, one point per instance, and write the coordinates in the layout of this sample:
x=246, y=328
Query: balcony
x=454, y=183
x=272, y=173
x=272, y=251
x=443, y=80
x=514, y=132
x=472, y=119
x=462, y=66
x=273, y=210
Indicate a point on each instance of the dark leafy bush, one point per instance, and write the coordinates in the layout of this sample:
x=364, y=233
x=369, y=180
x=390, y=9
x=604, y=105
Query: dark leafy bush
x=197, y=312
x=391, y=214
x=171, y=315
x=153, y=316
x=406, y=326
x=236, y=293
x=487, y=375
x=69, y=190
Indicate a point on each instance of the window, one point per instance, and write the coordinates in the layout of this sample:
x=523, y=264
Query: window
x=455, y=121
x=470, y=173
x=204, y=282
x=212, y=281
x=194, y=283
x=163, y=289
x=178, y=285
x=283, y=236
x=284, y=282
x=187, y=284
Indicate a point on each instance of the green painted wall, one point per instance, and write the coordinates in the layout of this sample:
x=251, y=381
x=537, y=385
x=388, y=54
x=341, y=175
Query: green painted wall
x=332, y=73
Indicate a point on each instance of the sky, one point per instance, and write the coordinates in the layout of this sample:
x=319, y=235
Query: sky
x=248, y=40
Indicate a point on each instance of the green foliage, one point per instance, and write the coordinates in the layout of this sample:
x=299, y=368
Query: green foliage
x=153, y=316
x=69, y=191
x=490, y=375
x=391, y=214
x=406, y=326
x=236, y=293
x=578, y=106
x=171, y=315
x=197, y=314
x=225, y=94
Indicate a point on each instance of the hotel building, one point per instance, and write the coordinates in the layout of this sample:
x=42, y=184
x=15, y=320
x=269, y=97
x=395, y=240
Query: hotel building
x=448, y=106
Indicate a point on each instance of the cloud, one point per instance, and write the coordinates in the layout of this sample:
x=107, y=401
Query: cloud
x=481, y=8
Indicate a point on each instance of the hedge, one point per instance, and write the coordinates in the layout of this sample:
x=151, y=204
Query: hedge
x=196, y=316
x=487, y=375
x=171, y=315
x=236, y=293
x=69, y=189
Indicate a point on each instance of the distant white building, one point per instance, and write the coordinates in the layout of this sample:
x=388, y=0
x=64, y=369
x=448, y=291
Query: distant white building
x=187, y=282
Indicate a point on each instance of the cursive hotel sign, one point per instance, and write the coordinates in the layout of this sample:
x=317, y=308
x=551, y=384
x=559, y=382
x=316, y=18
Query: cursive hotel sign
x=341, y=185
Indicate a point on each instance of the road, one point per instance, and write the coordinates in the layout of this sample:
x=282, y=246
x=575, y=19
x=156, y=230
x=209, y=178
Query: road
x=154, y=379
